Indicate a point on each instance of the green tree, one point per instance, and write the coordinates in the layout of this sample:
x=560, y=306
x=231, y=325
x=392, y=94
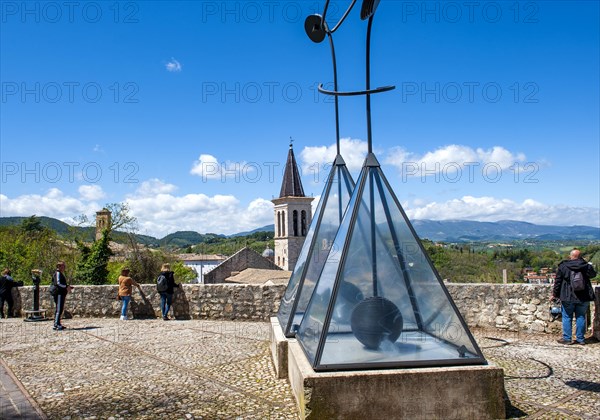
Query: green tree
x=31, y=246
x=32, y=224
x=92, y=267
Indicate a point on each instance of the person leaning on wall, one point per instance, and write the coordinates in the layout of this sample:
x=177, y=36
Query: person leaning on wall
x=126, y=284
x=166, y=297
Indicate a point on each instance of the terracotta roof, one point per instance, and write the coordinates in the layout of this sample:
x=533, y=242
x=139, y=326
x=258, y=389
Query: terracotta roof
x=260, y=276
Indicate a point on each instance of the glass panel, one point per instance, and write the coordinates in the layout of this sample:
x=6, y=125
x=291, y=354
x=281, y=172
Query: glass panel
x=311, y=323
x=333, y=203
x=289, y=296
x=439, y=316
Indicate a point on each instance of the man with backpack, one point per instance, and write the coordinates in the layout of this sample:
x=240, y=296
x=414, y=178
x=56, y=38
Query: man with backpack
x=574, y=289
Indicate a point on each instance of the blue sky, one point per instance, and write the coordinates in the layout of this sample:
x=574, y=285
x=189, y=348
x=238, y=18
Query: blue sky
x=184, y=110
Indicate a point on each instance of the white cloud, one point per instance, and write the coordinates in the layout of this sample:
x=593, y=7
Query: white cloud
x=154, y=186
x=160, y=211
x=259, y=213
x=491, y=209
x=208, y=167
x=173, y=66
x=53, y=204
x=91, y=192
x=451, y=158
x=353, y=151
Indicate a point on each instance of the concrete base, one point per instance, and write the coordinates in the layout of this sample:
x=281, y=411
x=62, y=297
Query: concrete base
x=463, y=392
x=279, y=349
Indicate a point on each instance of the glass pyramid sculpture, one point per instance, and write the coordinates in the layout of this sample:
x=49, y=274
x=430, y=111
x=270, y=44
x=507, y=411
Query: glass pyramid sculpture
x=322, y=230
x=379, y=302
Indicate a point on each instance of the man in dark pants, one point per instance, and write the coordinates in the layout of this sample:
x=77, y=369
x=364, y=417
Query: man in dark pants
x=573, y=302
x=6, y=285
x=60, y=280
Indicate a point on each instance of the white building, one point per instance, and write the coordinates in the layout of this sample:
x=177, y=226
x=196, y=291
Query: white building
x=201, y=263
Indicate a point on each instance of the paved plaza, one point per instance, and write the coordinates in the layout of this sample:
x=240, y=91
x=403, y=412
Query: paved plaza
x=148, y=369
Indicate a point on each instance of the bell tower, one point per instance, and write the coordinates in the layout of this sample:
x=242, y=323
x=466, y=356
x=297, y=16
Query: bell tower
x=293, y=214
x=103, y=221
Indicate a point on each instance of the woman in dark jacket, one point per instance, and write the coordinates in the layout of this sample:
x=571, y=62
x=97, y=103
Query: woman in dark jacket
x=166, y=296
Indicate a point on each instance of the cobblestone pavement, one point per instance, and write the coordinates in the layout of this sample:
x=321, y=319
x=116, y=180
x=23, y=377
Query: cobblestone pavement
x=544, y=379
x=147, y=369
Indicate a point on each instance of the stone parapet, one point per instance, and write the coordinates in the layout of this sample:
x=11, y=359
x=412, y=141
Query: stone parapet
x=511, y=307
x=191, y=301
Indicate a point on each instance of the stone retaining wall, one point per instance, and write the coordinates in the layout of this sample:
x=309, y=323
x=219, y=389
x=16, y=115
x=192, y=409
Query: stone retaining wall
x=513, y=307
x=197, y=301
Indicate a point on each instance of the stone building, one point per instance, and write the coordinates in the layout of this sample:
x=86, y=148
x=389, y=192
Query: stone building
x=243, y=259
x=293, y=214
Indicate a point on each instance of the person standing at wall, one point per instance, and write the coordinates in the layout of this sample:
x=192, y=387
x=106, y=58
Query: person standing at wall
x=166, y=291
x=6, y=285
x=573, y=302
x=62, y=289
x=126, y=284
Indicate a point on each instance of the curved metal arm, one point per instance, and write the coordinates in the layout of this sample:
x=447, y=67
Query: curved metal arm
x=343, y=18
x=357, y=92
x=335, y=87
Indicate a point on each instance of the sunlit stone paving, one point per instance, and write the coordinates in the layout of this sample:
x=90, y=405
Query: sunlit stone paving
x=147, y=369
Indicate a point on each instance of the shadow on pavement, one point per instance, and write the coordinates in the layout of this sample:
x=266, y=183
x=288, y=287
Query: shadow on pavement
x=584, y=385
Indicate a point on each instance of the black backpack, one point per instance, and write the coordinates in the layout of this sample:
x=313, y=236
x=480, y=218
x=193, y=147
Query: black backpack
x=162, y=283
x=577, y=281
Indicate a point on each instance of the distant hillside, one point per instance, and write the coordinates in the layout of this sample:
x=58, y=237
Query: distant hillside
x=86, y=233
x=267, y=228
x=56, y=225
x=186, y=238
x=471, y=231
x=505, y=230
x=435, y=230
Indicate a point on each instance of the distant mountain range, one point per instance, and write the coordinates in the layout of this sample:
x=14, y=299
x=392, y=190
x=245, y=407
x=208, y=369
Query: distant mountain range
x=505, y=230
x=267, y=228
x=87, y=233
x=435, y=230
